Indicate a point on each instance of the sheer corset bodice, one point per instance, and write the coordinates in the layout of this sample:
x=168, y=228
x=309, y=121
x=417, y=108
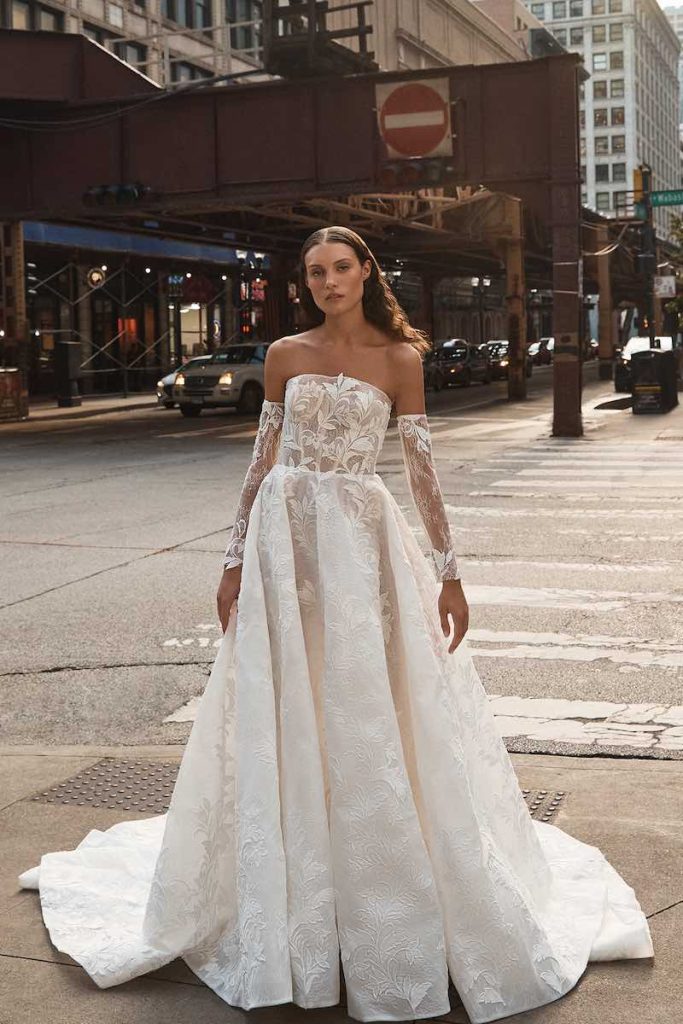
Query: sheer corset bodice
x=336, y=425
x=333, y=424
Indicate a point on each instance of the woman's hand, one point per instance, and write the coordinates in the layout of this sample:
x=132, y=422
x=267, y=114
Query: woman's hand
x=228, y=589
x=452, y=602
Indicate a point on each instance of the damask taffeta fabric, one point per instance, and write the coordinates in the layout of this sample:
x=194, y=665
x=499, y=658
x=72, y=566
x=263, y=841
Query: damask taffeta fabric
x=344, y=789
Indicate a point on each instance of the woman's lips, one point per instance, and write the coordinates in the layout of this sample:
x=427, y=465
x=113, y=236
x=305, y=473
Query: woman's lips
x=331, y=298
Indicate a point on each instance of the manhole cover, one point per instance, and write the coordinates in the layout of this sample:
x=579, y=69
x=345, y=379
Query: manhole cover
x=147, y=786
x=119, y=785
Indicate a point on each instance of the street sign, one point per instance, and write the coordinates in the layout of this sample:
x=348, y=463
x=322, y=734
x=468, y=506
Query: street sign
x=671, y=197
x=414, y=117
x=665, y=287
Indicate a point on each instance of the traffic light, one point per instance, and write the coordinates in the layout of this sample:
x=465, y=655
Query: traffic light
x=423, y=172
x=117, y=195
x=638, y=185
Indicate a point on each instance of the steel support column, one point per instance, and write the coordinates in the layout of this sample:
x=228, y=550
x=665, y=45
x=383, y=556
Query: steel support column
x=606, y=319
x=565, y=207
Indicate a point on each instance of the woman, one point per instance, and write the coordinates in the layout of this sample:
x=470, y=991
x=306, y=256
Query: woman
x=344, y=791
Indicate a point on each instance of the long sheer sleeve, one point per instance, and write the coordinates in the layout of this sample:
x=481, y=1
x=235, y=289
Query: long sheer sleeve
x=263, y=458
x=416, y=446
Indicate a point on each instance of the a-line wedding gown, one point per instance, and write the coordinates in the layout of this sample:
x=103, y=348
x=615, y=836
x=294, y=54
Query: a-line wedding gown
x=344, y=789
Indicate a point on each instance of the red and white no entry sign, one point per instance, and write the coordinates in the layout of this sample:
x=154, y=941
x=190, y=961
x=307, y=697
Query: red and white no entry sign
x=414, y=117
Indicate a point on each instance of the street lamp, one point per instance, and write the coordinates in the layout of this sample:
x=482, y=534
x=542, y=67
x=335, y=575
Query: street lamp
x=479, y=284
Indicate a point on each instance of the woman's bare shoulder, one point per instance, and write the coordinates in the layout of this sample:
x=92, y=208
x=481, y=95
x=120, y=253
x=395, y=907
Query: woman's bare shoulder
x=408, y=378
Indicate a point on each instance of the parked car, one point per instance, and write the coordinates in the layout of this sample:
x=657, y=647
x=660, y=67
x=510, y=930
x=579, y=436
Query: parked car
x=233, y=377
x=434, y=376
x=499, y=359
x=622, y=366
x=462, y=362
x=590, y=350
x=165, y=385
x=532, y=351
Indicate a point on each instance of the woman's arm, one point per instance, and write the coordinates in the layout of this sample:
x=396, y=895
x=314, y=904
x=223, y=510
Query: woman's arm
x=413, y=428
x=263, y=457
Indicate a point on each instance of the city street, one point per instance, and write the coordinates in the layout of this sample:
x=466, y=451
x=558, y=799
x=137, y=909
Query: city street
x=113, y=529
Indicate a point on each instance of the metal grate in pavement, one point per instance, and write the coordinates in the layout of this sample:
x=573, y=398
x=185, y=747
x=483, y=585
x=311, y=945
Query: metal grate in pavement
x=148, y=785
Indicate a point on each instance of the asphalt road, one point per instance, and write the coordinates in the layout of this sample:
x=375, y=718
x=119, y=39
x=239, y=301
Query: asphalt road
x=113, y=527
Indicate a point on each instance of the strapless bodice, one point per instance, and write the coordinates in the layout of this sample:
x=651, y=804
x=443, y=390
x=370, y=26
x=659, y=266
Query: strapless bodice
x=333, y=424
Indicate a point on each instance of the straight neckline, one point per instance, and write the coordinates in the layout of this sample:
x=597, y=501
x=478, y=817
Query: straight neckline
x=345, y=376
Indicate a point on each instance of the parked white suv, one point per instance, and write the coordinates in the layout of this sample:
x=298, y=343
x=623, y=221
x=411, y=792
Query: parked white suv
x=232, y=377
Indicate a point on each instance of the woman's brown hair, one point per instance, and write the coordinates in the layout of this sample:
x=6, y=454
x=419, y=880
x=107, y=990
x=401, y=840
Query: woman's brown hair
x=380, y=305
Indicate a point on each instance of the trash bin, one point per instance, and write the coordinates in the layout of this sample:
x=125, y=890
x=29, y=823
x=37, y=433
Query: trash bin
x=654, y=375
x=13, y=395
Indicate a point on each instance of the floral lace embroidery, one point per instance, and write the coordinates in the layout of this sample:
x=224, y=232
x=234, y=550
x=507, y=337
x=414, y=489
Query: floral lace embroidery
x=416, y=446
x=262, y=459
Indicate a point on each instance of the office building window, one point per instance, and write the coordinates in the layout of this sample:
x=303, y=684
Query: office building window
x=50, y=21
x=133, y=53
x=190, y=13
x=561, y=36
x=248, y=37
x=576, y=8
x=620, y=201
x=616, y=89
x=601, y=144
x=183, y=71
x=100, y=35
x=600, y=89
x=599, y=33
x=559, y=9
x=617, y=115
x=602, y=172
x=616, y=32
x=618, y=143
x=599, y=7
x=576, y=36
x=618, y=172
x=582, y=170
x=599, y=62
x=27, y=15
x=538, y=11
x=602, y=200
x=600, y=117
x=582, y=119
x=616, y=60
x=616, y=6
x=21, y=15
x=582, y=146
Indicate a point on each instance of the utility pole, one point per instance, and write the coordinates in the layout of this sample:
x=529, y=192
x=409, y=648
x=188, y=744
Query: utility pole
x=647, y=259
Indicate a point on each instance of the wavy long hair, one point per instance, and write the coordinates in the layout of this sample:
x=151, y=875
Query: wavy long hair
x=380, y=306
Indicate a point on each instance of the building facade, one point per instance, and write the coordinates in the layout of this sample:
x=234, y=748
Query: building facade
x=630, y=102
x=675, y=16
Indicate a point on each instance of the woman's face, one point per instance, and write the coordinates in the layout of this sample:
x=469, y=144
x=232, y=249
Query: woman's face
x=335, y=277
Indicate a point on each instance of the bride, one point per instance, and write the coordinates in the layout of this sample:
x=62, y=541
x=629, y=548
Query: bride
x=345, y=794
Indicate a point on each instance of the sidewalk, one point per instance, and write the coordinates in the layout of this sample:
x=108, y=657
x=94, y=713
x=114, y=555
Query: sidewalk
x=41, y=410
x=631, y=809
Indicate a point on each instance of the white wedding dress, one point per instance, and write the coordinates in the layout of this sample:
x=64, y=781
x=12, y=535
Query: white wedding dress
x=344, y=793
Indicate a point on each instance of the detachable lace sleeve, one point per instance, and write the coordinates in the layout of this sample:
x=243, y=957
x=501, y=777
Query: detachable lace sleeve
x=263, y=458
x=416, y=445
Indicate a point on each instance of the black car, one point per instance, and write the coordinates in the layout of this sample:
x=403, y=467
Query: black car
x=500, y=360
x=461, y=362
